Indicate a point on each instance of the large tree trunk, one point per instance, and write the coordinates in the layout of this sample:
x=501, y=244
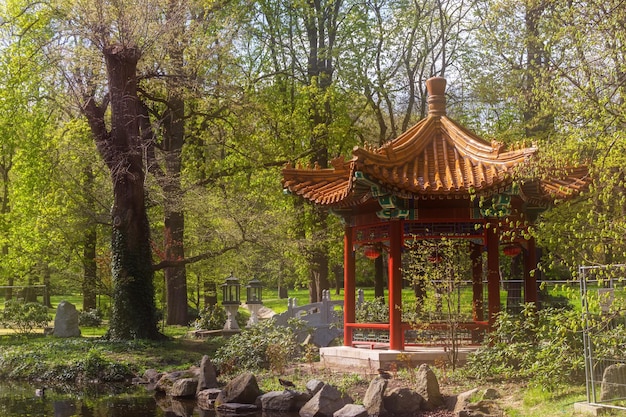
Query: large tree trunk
x=173, y=140
x=175, y=276
x=514, y=288
x=90, y=238
x=4, y=209
x=46, y=291
x=538, y=121
x=318, y=266
x=134, y=310
x=89, y=268
x=321, y=24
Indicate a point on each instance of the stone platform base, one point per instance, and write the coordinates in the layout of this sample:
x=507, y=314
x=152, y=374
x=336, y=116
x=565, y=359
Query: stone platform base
x=590, y=409
x=373, y=359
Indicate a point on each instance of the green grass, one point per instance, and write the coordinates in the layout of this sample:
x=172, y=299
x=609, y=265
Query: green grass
x=271, y=300
x=537, y=402
x=35, y=356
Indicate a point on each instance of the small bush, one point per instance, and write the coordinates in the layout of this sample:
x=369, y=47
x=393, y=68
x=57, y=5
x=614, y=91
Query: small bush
x=214, y=317
x=254, y=347
x=211, y=318
x=375, y=311
x=95, y=367
x=544, y=346
x=90, y=318
x=24, y=318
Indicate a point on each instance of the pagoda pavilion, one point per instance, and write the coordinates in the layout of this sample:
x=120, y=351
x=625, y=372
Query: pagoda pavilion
x=436, y=180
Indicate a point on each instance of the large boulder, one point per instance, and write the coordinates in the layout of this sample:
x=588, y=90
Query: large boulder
x=151, y=376
x=282, y=401
x=402, y=401
x=456, y=403
x=428, y=387
x=206, y=398
x=244, y=389
x=351, y=410
x=313, y=386
x=66, y=320
x=325, y=402
x=373, y=398
x=184, y=387
x=207, y=375
x=167, y=380
x=613, y=382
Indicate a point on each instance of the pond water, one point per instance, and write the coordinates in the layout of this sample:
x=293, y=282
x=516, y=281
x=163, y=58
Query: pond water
x=19, y=399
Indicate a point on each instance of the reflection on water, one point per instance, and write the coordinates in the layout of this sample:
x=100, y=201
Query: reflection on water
x=21, y=400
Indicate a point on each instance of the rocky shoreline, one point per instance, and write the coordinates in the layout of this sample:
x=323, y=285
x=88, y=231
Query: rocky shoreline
x=198, y=387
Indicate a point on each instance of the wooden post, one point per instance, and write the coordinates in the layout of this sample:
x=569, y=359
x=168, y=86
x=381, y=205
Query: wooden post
x=395, y=286
x=493, y=273
x=530, y=280
x=477, y=281
x=349, y=285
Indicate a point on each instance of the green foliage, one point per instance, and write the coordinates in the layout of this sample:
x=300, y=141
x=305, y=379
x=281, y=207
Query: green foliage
x=544, y=346
x=212, y=317
x=90, y=318
x=95, y=367
x=279, y=355
x=24, y=318
x=372, y=311
x=83, y=360
x=438, y=268
x=251, y=349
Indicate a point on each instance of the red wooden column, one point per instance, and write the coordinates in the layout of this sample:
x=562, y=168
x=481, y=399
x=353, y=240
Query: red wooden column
x=349, y=285
x=530, y=281
x=396, y=341
x=493, y=273
x=477, y=281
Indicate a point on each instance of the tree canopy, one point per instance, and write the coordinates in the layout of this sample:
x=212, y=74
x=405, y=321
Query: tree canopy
x=141, y=141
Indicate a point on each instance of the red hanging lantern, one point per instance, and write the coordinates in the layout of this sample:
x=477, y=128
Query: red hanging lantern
x=435, y=259
x=512, y=250
x=371, y=252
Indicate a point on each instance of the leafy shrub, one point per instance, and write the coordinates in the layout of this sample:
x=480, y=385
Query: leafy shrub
x=545, y=346
x=374, y=311
x=251, y=349
x=95, y=367
x=90, y=318
x=214, y=317
x=24, y=317
x=211, y=318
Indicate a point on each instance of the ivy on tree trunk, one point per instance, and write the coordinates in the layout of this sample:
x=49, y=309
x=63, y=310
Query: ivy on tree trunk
x=134, y=311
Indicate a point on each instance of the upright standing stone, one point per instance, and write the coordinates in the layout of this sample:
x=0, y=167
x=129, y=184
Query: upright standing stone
x=325, y=403
x=66, y=320
x=243, y=389
x=613, y=382
x=402, y=401
x=373, y=399
x=207, y=377
x=428, y=387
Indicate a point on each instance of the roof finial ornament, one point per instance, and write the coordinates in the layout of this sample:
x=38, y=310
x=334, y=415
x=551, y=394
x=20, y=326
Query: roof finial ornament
x=436, y=87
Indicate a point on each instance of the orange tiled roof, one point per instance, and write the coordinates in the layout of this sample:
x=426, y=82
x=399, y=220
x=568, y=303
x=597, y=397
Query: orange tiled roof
x=559, y=186
x=327, y=187
x=436, y=157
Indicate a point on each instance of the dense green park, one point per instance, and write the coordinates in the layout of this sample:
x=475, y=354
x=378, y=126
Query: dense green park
x=142, y=142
